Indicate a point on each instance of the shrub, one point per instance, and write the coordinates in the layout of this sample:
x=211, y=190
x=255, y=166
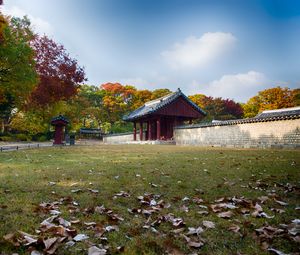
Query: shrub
x=42, y=138
x=6, y=138
x=22, y=137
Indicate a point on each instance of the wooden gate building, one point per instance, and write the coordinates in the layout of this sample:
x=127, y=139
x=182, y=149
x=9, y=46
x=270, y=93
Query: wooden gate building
x=161, y=115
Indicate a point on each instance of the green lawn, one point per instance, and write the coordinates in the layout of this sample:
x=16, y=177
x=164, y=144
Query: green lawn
x=180, y=176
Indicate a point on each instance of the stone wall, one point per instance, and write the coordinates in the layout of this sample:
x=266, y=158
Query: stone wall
x=270, y=134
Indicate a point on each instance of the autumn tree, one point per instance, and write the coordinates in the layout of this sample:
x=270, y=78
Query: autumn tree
x=157, y=93
x=17, y=67
x=117, y=99
x=59, y=74
x=218, y=108
x=270, y=99
x=140, y=97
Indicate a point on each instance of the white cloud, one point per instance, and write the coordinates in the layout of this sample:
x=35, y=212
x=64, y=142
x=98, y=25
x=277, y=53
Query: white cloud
x=138, y=82
x=39, y=25
x=239, y=87
x=198, y=52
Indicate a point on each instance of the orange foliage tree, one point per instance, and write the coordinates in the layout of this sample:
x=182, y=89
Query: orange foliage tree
x=271, y=99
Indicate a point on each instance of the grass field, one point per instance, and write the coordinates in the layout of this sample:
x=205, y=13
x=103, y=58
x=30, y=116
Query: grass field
x=257, y=189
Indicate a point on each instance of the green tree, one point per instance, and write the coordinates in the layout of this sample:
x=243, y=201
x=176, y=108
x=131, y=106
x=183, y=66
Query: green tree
x=17, y=67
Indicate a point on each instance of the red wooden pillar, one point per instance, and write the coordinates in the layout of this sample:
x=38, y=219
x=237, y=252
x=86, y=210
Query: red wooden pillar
x=134, y=131
x=141, y=131
x=58, y=136
x=158, y=129
x=149, y=130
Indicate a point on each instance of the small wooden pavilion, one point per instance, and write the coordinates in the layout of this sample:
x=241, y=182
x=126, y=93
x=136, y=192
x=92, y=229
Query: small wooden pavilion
x=59, y=122
x=162, y=115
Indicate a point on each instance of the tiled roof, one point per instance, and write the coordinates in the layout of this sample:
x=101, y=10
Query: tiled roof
x=60, y=117
x=155, y=105
x=272, y=115
x=280, y=112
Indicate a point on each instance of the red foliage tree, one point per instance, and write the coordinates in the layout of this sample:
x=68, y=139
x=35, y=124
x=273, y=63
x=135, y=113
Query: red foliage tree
x=59, y=74
x=233, y=108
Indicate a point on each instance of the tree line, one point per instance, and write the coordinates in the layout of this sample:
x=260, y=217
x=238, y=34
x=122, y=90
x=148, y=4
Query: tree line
x=39, y=80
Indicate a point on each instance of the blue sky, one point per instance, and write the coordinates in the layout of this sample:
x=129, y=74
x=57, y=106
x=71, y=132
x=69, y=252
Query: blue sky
x=228, y=48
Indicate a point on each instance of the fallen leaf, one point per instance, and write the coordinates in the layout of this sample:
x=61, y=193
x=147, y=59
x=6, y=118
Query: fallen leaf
x=76, y=190
x=281, y=202
x=96, y=251
x=94, y=191
x=202, y=212
x=276, y=251
x=195, y=244
x=36, y=253
x=225, y=215
x=80, y=237
x=178, y=230
x=234, y=228
x=195, y=231
x=49, y=242
x=208, y=224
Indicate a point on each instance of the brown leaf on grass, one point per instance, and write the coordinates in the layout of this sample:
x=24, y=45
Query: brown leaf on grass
x=95, y=191
x=261, y=215
x=220, y=200
x=111, y=228
x=208, y=224
x=197, y=200
x=90, y=223
x=258, y=208
x=202, y=212
x=184, y=208
x=280, y=202
x=194, y=231
x=178, y=230
x=80, y=237
x=48, y=207
x=75, y=221
x=244, y=210
x=76, y=190
x=34, y=252
x=225, y=215
x=268, y=232
x=28, y=239
x=96, y=251
x=234, y=228
x=277, y=210
x=52, y=244
x=294, y=227
x=277, y=252
x=99, y=230
x=108, y=212
x=216, y=208
x=49, y=242
x=263, y=199
x=64, y=222
x=12, y=238
x=192, y=242
x=121, y=194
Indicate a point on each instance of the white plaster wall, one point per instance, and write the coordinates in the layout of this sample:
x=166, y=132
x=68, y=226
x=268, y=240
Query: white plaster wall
x=119, y=139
